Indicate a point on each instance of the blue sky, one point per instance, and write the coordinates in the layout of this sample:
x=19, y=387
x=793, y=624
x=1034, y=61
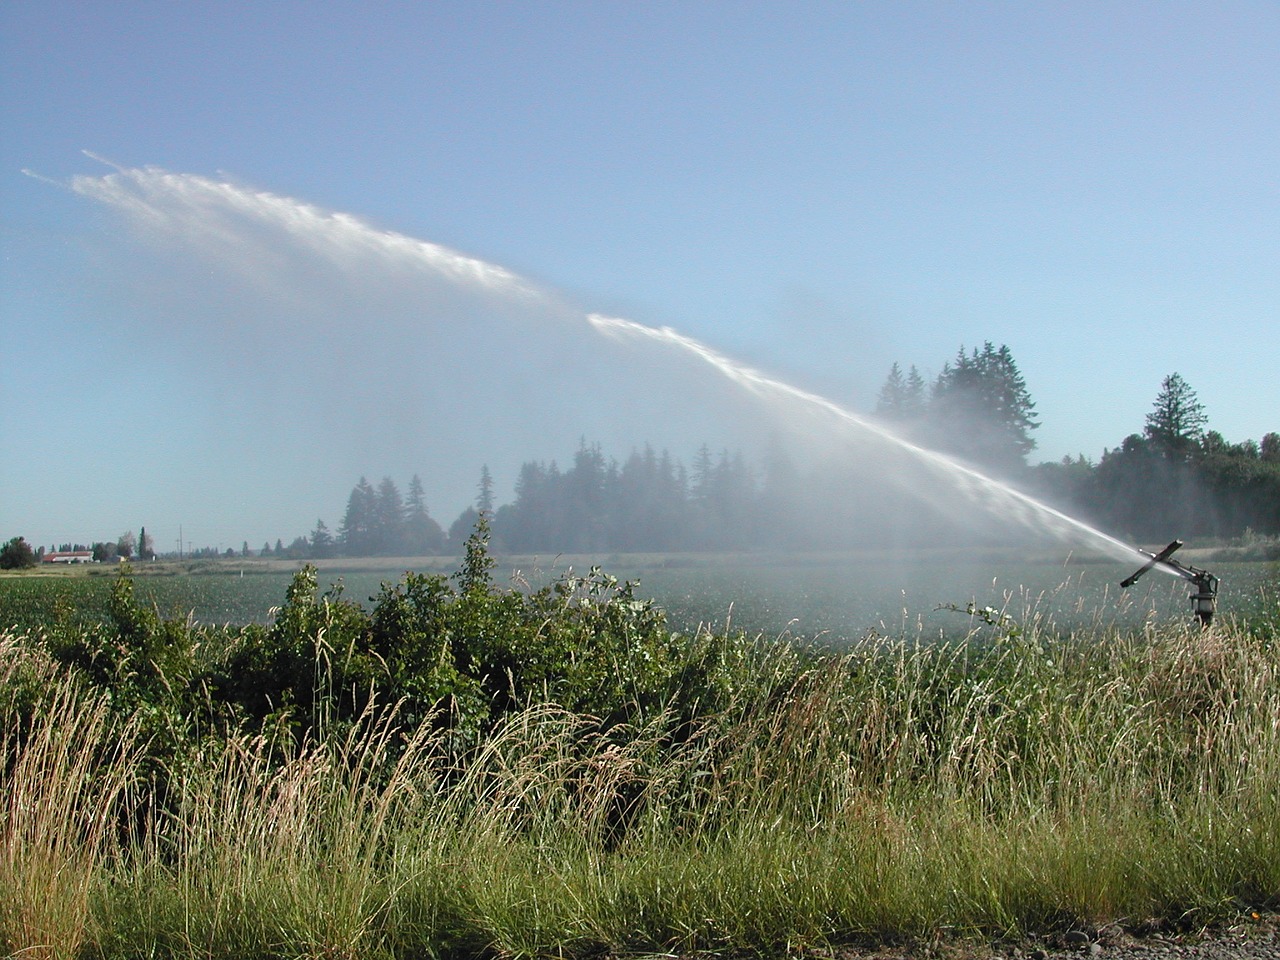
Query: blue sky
x=816, y=189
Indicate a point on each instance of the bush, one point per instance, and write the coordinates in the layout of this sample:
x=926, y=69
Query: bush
x=456, y=653
x=17, y=555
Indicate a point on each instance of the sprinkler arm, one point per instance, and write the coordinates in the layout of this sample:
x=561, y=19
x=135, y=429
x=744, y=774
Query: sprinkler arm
x=1161, y=557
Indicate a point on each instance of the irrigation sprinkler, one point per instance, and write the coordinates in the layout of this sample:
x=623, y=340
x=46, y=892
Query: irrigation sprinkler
x=1204, y=600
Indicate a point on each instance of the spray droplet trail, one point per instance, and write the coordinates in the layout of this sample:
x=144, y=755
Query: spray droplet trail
x=995, y=494
x=216, y=210
x=151, y=194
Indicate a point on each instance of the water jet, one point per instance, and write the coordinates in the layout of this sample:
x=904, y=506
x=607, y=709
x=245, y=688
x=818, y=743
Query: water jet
x=216, y=217
x=996, y=496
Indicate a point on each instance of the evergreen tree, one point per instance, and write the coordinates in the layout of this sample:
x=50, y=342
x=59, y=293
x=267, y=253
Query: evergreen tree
x=423, y=536
x=387, y=533
x=355, y=535
x=889, y=404
x=1174, y=470
x=646, y=508
x=586, y=500
x=524, y=526
x=914, y=397
x=733, y=503
x=484, y=494
x=1175, y=427
x=902, y=399
x=981, y=409
x=461, y=529
x=701, y=499
x=701, y=476
x=321, y=541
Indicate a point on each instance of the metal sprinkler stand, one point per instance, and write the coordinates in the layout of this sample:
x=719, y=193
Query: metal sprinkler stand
x=1204, y=600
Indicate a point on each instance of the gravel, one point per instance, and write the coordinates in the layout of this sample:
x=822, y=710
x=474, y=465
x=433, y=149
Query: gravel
x=1256, y=939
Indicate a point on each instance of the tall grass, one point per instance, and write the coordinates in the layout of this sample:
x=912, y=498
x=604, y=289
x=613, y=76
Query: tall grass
x=1000, y=784
x=66, y=771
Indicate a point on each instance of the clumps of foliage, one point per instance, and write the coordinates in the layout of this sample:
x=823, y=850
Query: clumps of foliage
x=455, y=653
x=473, y=771
x=17, y=554
x=1248, y=547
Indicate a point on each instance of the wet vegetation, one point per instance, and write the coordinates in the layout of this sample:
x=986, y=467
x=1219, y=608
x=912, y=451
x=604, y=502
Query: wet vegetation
x=466, y=770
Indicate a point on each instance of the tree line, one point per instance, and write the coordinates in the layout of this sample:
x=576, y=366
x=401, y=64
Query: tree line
x=1175, y=473
x=1174, y=476
x=649, y=502
x=977, y=408
x=17, y=554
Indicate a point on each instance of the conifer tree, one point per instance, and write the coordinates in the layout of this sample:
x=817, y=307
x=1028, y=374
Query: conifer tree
x=422, y=535
x=484, y=494
x=902, y=398
x=981, y=410
x=889, y=403
x=914, y=395
x=387, y=528
x=356, y=532
x=321, y=541
x=1175, y=427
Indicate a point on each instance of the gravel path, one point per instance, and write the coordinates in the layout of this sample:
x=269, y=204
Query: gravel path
x=1256, y=940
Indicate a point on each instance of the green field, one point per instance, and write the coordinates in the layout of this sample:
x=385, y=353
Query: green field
x=839, y=597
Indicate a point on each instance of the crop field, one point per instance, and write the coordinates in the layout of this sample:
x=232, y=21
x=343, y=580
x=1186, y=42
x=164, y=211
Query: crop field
x=838, y=598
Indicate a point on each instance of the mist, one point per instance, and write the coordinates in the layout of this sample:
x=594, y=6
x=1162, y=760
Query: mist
x=321, y=348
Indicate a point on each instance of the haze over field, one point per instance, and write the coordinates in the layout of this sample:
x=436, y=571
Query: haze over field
x=817, y=193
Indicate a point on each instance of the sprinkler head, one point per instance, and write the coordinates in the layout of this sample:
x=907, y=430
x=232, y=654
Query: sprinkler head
x=1204, y=600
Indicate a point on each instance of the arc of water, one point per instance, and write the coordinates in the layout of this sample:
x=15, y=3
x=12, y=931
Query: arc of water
x=1009, y=499
x=164, y=199
x=167, y=200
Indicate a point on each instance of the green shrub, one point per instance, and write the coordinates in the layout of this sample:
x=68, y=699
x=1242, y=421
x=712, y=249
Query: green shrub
x=457, y=653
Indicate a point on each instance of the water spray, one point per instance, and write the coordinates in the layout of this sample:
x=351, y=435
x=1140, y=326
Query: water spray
x=998, y=496
x=1203, y=601
x=215, y=212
